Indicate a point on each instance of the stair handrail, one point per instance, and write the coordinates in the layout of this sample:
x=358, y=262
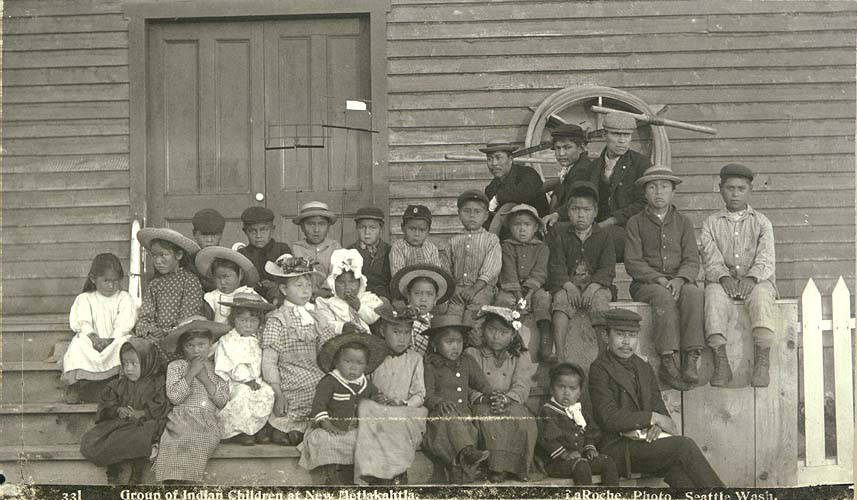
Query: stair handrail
x=136, y=266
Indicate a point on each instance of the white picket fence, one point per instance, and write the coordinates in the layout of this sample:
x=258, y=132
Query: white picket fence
x=817, y=468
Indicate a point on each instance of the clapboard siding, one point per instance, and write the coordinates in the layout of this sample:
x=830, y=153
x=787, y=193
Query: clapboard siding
x=775, y=78
x=65, y=190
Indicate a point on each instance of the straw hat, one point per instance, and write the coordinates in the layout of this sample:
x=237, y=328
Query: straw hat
x=289, y=266
x=146, y=235
x=376, y=346
x=193, y=324
x=657, y=173
x=522, y=208
x=404, y=276
x=494, y=146
x=205, y=257
x=314, y=208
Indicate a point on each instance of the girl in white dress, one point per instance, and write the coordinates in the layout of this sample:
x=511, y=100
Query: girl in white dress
x=238, y=360
x=101, y=318
x=232, y=273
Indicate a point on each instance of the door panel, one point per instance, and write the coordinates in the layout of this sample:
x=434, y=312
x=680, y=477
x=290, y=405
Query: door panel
x=206, y=114
x=311, y=68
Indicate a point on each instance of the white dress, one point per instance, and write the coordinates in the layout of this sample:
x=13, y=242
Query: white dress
x=237, y=360
x=221, y=312
x=108, y=317
x=337, y=312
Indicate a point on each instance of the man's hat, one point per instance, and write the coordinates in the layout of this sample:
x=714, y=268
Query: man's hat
x=205, y=257
x=147, y=234
x=472, y=195
x=195, y=323
x=619, y=122
x=256, y=215
x=657, y=173
x=494, y=146
x=406, y=275
x=622, y=319
x=374, y=213
x=208, y=221
x=417, y=212
x=569, y=131
x=288, y=266
x=441, y=322
x=523, y=208
x=248, y=301
x=401, y=315
x=376, y=346
x=314, y=208
x=736, y=170
x=587, y=186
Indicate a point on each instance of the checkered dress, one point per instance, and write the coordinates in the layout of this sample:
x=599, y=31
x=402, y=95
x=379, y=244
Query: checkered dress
x=419, y=342
x=192, y=432
x=296, y=344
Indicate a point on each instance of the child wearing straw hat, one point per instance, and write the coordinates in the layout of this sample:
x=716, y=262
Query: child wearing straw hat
x=232, y=274
x=315, y=220
x=423, y=286
x=174, y=293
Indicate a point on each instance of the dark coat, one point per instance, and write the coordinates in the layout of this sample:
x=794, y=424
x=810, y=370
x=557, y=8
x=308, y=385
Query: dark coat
x=581, y=170
x=521, y=185
x=452, y=381
x=559, y=433
x=656, y=249
x=377, y=269
x=622, y=198
x=260, y=256
x=332, y=400
x=566, y=250
x=616, y=405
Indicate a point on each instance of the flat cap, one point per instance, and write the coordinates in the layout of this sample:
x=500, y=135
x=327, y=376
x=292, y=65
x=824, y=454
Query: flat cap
x=569, y=131
x=622, y=318
x=417, y=212
x=619, y=122
x=208, y=221
x=472, y=195
x=374, y=213
x=587, y=187
x=657, y=173
x=257, y=215
x=493, y=146
x=736, y=170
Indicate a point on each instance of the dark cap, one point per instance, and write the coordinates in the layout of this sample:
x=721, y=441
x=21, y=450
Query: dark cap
x=569, y=131
x=472, y=194
x=417, y=212
x=256, y=215
x=374, y=213
x=623, y=319
x=736, y=170
x=208, y=221
x=584, y=187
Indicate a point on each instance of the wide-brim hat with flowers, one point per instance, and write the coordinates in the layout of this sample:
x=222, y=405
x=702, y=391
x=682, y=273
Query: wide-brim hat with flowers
x=289, y=266
x=400, y=315
x=193, y=324
x=248, y=301
x=206, y=256
x=400, y=281
x=315, y=208
x=147, y=234
x=511, y=317
x=376, y=345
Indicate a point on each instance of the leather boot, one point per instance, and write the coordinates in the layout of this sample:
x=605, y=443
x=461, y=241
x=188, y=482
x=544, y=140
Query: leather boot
x=722, y=371
x=761, y=365
x=669, y=373
x=546, y=346
x=689, y=371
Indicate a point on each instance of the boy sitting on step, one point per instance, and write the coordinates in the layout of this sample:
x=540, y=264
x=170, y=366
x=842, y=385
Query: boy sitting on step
x=414, y=247
x=739, y=262
x=581, y=267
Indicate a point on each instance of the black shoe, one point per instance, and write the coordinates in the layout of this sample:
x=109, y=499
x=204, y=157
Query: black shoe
x=264, y=435
x=761, y=367
x=689, y=371
x=669, y=374
x=279, y=437
x=246, y=440
x=295, y=438
x=722, y=371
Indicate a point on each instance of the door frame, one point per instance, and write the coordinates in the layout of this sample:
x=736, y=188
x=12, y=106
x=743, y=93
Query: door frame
x=139, y=14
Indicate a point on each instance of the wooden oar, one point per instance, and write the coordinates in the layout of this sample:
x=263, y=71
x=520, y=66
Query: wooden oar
x=654, y=120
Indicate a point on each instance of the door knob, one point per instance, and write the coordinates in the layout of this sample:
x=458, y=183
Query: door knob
x=260, y=197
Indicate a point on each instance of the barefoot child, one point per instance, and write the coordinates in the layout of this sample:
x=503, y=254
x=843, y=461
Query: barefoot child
x=449, y=376
x=101, y=318
x=130, y=417
x=174, y=293
x=331, y=441
x=232, y=274
x=414, y=247
x=292, y=336
x=351, y=302
x=392, y=428
x=315, y=219
x=238, y=360
x=375, y=251
x=568, y=433
x=192, y=432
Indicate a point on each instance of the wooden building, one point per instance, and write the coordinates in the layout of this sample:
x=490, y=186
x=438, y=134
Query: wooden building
x=116, y=110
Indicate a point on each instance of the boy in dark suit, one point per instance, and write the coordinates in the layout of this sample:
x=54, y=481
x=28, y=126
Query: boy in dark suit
x=627, y=406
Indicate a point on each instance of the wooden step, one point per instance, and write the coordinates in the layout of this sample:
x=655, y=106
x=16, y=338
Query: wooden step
x=32, y=338
x=36, y=424
x=30, y=382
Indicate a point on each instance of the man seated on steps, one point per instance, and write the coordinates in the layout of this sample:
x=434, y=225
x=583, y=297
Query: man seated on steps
x=738, y=258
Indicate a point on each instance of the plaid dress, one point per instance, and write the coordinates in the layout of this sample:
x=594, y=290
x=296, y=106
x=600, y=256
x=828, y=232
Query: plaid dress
x=192, y=432
x=296, y=342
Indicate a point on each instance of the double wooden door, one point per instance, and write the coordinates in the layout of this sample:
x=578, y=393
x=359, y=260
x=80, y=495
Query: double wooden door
x=245, y=113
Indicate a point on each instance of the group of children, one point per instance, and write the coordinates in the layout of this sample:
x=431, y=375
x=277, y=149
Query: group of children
x=358, y=355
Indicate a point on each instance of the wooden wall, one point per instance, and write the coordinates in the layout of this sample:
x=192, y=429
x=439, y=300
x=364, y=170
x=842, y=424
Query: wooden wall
x=776, y=78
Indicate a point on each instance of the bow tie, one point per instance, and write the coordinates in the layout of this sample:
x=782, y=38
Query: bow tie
x=303, y=313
